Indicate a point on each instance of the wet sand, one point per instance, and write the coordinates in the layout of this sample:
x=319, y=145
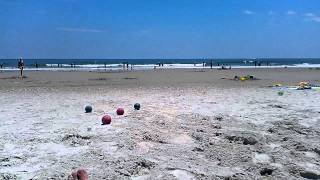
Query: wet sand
x=193, y=124
x=158, y=78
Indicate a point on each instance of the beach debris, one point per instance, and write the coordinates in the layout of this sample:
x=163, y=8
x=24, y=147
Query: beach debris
x=276, y=105
x=68, y=136
x=88, y=109
x=277, y=85
x=136, y=106
x=309, y=175
x=266, y=171
x=81, y=174
x=280, y=93
x=245, y=140
x=198, y=149
x=106, y=120
x=120, y=111
x=304, y=85
x=245, y=78
x=218, y=117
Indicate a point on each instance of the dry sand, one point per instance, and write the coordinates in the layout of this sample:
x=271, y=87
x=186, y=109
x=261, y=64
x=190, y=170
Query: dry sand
x=192, y=125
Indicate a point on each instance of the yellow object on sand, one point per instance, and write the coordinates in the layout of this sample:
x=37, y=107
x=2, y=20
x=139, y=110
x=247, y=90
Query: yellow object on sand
x=243, y=78
x=277, y=85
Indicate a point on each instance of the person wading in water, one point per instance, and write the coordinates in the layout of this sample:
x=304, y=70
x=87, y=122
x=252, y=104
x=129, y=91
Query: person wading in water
x=21, y=66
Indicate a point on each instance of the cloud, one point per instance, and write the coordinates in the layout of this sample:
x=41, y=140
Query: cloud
x=312, y=17
x=309, y=15
x=66, y=29
x=291, y=12
x=315, y=19
x=248, y=12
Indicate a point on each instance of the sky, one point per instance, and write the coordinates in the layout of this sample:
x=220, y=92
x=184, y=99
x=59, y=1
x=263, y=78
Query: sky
x=159, y=29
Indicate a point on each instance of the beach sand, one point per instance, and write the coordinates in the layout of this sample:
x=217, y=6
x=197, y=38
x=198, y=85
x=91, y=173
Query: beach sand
x=193, y=124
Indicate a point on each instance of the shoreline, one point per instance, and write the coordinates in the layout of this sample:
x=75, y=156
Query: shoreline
x=156, y=67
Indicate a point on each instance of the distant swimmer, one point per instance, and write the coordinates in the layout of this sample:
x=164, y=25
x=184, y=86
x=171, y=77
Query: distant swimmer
x=21, y=66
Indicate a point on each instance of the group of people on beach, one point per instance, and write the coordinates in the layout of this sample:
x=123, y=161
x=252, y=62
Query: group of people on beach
x=20, y=66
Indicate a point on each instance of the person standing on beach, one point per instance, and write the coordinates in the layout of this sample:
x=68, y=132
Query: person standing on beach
x=21, y=66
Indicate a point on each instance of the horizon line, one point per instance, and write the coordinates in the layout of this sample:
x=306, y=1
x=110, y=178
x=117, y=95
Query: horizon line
x=158, y=58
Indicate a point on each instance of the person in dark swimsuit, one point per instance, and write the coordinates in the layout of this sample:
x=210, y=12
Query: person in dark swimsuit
x=21, y=66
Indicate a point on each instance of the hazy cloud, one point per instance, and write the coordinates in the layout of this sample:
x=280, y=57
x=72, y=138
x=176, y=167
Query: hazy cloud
x=248, y=12
x=312, y=17
x=309, y=14
x=291, y=12
x=315, y=19
x=79, y=30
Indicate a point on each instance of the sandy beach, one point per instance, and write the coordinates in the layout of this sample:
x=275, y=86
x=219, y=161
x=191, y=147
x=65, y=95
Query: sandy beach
x=193, y=124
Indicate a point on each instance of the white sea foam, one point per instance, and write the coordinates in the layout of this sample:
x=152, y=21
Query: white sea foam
x=307, y=65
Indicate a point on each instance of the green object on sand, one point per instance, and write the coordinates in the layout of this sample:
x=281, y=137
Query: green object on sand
x=280, y=93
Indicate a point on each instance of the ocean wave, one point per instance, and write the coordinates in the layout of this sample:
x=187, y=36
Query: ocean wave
x=306, y=65
x=85, y=65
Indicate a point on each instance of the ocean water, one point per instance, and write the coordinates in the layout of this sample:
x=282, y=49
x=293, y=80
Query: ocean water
x=137, y=64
